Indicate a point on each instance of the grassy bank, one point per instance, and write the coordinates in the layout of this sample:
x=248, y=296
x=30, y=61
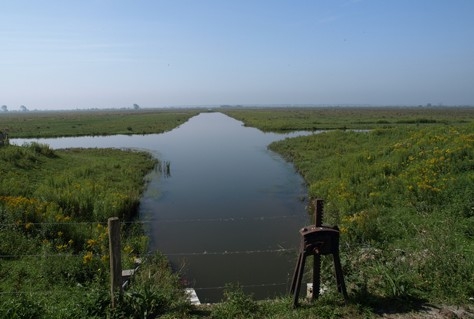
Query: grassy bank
x=323, y=118
x=402, y=195
x=404, y=200
x=54, y=205
x=92, y=123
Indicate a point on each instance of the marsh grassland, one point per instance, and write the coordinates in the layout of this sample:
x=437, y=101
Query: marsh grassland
x=92, y=123
x=54, y=205
x=324, y=118
x=401, y=191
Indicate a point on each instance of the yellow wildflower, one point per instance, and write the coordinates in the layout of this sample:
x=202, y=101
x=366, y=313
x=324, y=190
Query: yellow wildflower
x=87, y=257
x=128, y=249
x=91, y=243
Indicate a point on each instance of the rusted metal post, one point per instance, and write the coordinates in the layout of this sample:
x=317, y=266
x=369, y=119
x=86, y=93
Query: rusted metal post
x=341, y=285
x=318, y=222
x=318, y=212
x=317, y=240
x=115, y=258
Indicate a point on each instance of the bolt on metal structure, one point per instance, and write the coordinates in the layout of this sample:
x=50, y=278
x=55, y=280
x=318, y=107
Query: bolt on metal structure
x=317, y=240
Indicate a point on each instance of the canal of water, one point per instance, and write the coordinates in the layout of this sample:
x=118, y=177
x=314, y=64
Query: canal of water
x=228, y=212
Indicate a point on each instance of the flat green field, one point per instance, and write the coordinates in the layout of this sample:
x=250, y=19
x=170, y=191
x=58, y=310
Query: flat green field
x=323, y=118
x=92, y=123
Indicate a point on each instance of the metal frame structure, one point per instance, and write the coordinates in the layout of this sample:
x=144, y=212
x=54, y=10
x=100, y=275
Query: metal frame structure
x=317, y=240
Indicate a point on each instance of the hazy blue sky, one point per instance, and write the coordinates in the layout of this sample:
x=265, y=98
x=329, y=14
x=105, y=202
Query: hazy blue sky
x=57, y=54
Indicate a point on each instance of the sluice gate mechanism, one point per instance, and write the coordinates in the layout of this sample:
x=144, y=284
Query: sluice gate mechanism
x=317, y=240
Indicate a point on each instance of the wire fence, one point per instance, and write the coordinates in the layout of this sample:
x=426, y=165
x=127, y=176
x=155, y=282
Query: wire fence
x=278, y=250
x=237, y=252
x=56, y=291
x=263, y=285
x=156, y=220
x=227, y=219
x=203, y=253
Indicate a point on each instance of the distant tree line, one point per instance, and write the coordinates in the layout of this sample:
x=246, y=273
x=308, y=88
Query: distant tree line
x=22, y=108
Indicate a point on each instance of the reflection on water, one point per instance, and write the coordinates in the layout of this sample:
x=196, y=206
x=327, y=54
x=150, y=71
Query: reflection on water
x=230, y=209
x=164, y=168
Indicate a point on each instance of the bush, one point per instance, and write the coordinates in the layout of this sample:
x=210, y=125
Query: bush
x=42, y=149
x=236, y=304
x=21, y=307
x=153, y=291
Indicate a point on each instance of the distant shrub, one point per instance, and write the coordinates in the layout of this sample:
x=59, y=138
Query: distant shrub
x=43, y=149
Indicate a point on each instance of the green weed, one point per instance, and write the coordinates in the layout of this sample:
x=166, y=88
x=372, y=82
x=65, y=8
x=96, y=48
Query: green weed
x=53, y=206
x=236, y=304
x=397, y=190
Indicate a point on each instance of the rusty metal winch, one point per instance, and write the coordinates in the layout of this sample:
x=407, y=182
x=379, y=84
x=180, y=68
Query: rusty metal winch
x=317, y=240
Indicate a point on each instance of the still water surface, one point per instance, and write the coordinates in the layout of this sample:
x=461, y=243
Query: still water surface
x=230, y=210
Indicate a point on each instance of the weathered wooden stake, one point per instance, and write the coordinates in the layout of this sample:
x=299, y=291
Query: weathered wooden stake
x=115, y=258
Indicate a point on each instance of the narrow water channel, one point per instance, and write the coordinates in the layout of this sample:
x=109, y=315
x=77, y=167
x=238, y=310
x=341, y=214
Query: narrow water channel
x=230, y=209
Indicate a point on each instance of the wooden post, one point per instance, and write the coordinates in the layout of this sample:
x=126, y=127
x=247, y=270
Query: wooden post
x=115, y=258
